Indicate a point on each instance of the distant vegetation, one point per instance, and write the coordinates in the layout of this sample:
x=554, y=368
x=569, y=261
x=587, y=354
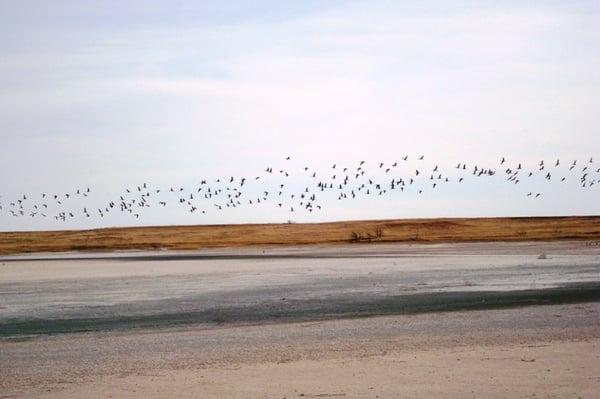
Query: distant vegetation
x=222, y=236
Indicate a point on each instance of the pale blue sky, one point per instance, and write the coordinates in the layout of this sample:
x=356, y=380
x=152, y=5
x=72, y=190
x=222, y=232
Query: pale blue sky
x=110, y=94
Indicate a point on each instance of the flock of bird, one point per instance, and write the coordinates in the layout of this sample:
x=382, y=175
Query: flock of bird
x=305, y=189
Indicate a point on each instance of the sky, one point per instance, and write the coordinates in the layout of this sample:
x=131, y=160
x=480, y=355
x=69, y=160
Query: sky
x=111, y=94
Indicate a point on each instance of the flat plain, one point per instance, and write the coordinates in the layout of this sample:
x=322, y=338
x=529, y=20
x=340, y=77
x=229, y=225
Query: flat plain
x=474, y=319
x=244, y=235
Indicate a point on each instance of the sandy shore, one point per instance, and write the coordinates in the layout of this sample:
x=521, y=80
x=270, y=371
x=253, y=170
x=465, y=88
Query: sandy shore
x=448, y=320
x=499, y=371
x=532, y=352
x=51, y=295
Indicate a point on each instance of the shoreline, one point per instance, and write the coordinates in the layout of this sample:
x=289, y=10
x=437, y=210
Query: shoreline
x=380, y=319
x=493, y=353
x=152, y=290
x=289, y=312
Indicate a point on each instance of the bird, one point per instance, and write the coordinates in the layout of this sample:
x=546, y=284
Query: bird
x=352, y=182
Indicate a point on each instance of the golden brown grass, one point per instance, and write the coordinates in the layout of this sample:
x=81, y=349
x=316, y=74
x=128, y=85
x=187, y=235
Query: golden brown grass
x=221, y=236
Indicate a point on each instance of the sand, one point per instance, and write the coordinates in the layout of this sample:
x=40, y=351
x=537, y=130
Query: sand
x=519, y=351
x=154, y=289
x=505, y=371
x=533, y=352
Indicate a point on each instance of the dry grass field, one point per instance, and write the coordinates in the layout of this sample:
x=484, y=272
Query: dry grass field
x=221, y=236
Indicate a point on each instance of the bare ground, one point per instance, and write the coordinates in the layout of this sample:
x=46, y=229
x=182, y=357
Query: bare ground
x=544, y=351
x=534, y=352
x=499, y=371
